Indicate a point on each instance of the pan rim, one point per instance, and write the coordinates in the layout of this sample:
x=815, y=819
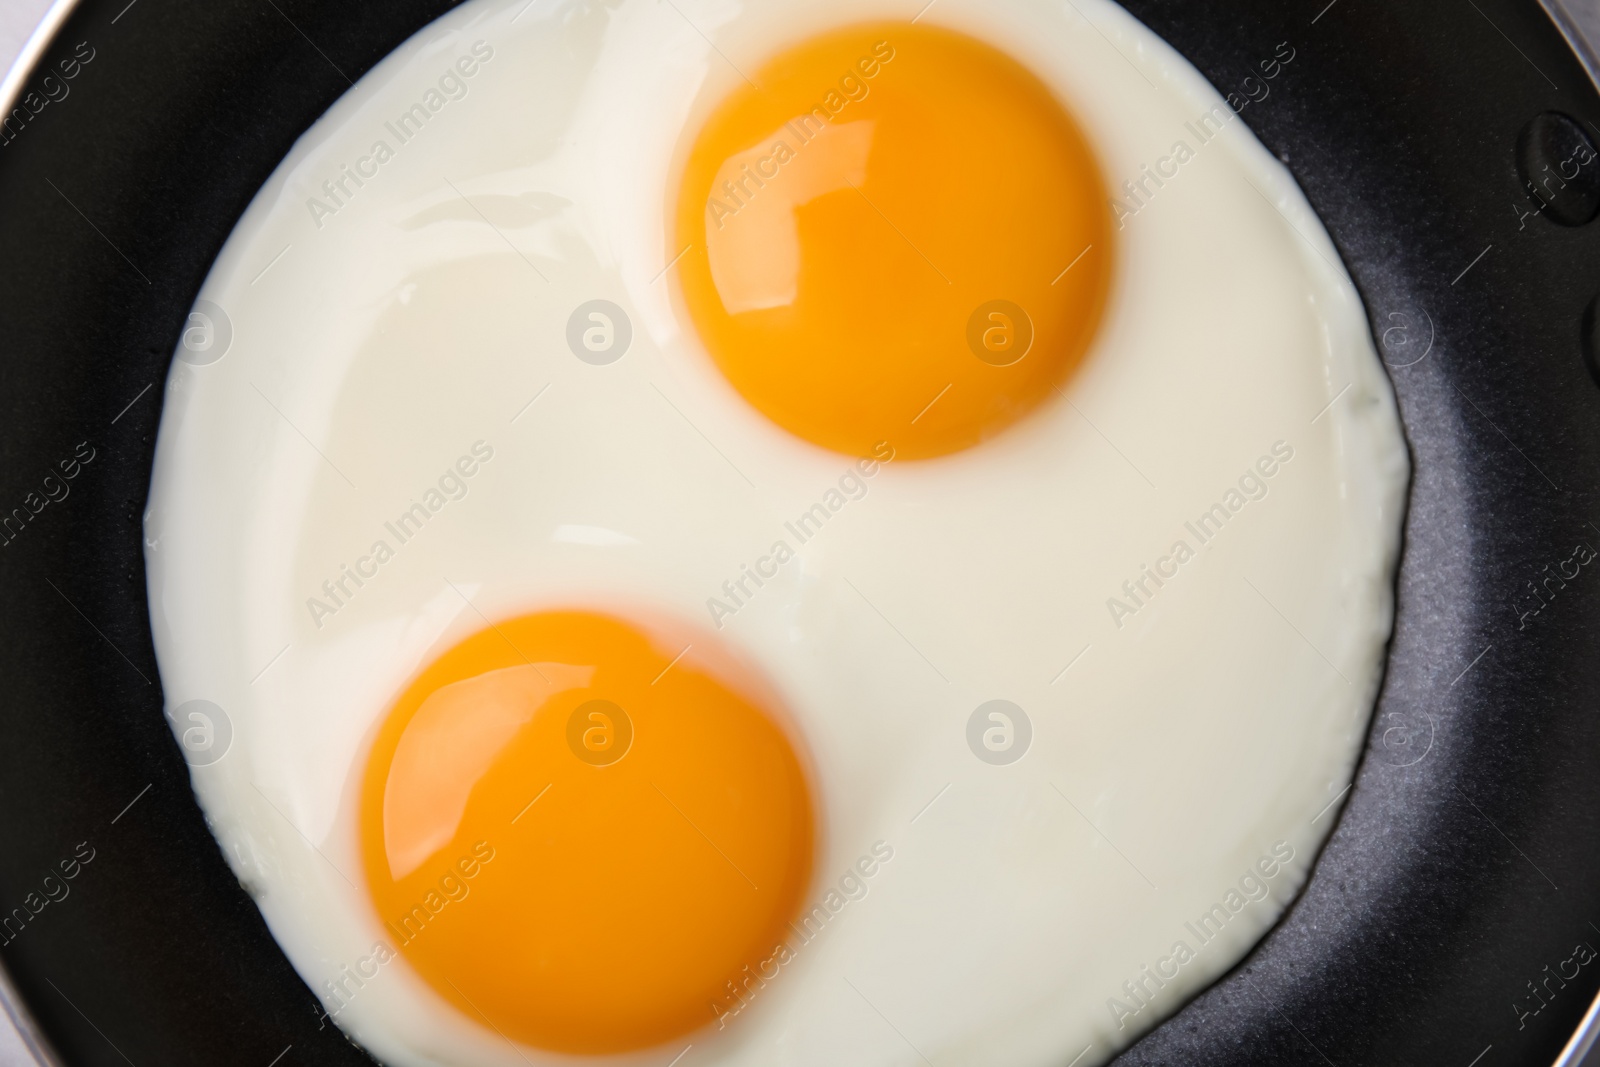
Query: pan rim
x=55, y=17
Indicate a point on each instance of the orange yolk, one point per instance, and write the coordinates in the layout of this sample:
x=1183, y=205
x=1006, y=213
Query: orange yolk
x=579, y=841
x=900, y=236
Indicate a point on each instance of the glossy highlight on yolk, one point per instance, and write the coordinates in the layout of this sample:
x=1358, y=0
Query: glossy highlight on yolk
x=896, y=233
x=580, y=838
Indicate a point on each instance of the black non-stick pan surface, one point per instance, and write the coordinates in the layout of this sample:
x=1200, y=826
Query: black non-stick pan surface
x=1444, y=920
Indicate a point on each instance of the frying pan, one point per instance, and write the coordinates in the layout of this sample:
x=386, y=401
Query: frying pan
x=1445, y=919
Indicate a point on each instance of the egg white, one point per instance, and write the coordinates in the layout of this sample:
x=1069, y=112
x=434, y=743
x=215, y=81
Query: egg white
x=1173, y=748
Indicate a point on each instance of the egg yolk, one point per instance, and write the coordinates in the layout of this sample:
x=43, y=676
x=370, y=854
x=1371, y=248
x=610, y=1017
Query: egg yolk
x=581, y=834
x=896, y=233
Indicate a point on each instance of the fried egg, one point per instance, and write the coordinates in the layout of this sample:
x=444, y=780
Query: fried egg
x=784, y=533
